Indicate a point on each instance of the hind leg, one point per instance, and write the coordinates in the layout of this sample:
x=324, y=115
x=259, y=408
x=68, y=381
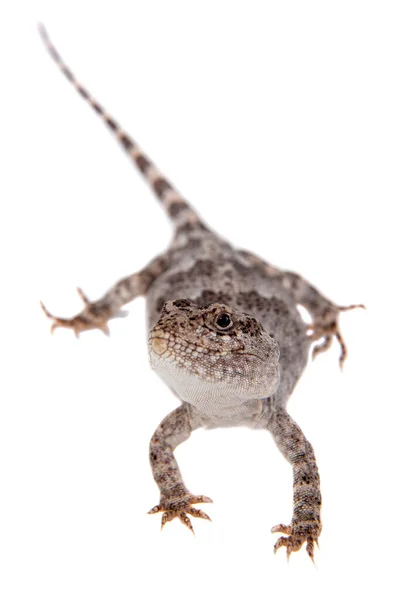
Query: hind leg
x=324, y=313
x=95, y=315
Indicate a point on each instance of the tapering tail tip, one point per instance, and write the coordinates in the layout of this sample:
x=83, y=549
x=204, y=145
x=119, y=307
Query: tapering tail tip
x=178, y=209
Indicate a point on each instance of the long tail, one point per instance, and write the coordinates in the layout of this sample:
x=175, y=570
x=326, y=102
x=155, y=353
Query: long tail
x=181, y=213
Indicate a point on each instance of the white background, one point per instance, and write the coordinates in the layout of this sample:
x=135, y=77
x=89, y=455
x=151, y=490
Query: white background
x=280, y=122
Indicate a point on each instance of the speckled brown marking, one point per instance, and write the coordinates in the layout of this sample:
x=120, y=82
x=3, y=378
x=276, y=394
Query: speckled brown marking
x=143, y=162
x=82, y=92
x=97, y=108
x=175, y=208
x=175, y=500
x=160, y=185
x=187, y=228
x=96, y=314
x=126, y=142
x=306, y=521
x=210, y=296
x=227, y=337
x=111, y=123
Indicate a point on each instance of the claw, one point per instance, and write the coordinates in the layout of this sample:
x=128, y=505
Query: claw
x=339, y=337
x=181, y=508
x=282, y=541
x=293, y=542
x=310, y=549
x=186, y=521
x=286, y=529
x=195, y=512
x=343, y=348
x=286, y=541
x=46, y=312
x=329, y=333
x=154, y=510
x=83, y=296
x=89, y=318
x=168, y=515
x=323, y=347
x=57, y=322
x=200, y=499
x=351, y=307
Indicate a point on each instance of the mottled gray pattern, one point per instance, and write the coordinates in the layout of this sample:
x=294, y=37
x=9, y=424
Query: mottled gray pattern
x=213, y=271
x=227, y=337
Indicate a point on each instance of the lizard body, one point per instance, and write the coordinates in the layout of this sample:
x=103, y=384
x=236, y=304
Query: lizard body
x=226, y=335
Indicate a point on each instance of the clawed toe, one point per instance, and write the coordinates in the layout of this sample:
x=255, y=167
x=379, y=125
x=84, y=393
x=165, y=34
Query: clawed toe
x=180, y=509
x=286, y=529
x=328, y=333
x=196, y=512
x=294, y=541
x=59, y=322
x=323, y=346
x=293, y=544
x=351, y=307
x=90, y=318
x=83, y=296
x=181, y=515
x=200, y=499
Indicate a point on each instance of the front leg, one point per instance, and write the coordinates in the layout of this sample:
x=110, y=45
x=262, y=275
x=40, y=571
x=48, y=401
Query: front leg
x=306, y=521
x=95, y=315
x=175, y=500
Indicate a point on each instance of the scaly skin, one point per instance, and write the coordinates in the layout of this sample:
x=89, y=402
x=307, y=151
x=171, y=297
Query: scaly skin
x=226, y=335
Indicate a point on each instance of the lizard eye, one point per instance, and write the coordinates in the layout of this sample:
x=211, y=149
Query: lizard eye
x=224, y=321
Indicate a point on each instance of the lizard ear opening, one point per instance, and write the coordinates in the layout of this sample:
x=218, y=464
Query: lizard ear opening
x=182, y=303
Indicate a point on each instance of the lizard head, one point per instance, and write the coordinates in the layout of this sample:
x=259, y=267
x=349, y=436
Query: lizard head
x=212, y=356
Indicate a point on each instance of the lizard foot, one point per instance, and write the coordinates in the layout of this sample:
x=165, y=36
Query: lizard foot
x=328, y=332
x=93, y=316
x=180, y=508
x=298, y=533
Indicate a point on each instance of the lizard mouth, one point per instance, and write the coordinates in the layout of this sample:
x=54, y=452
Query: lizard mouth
x=165, y=345
x=200, y=374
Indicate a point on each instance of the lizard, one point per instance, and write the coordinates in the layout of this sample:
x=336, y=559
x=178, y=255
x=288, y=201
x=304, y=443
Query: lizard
x=227, y=337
